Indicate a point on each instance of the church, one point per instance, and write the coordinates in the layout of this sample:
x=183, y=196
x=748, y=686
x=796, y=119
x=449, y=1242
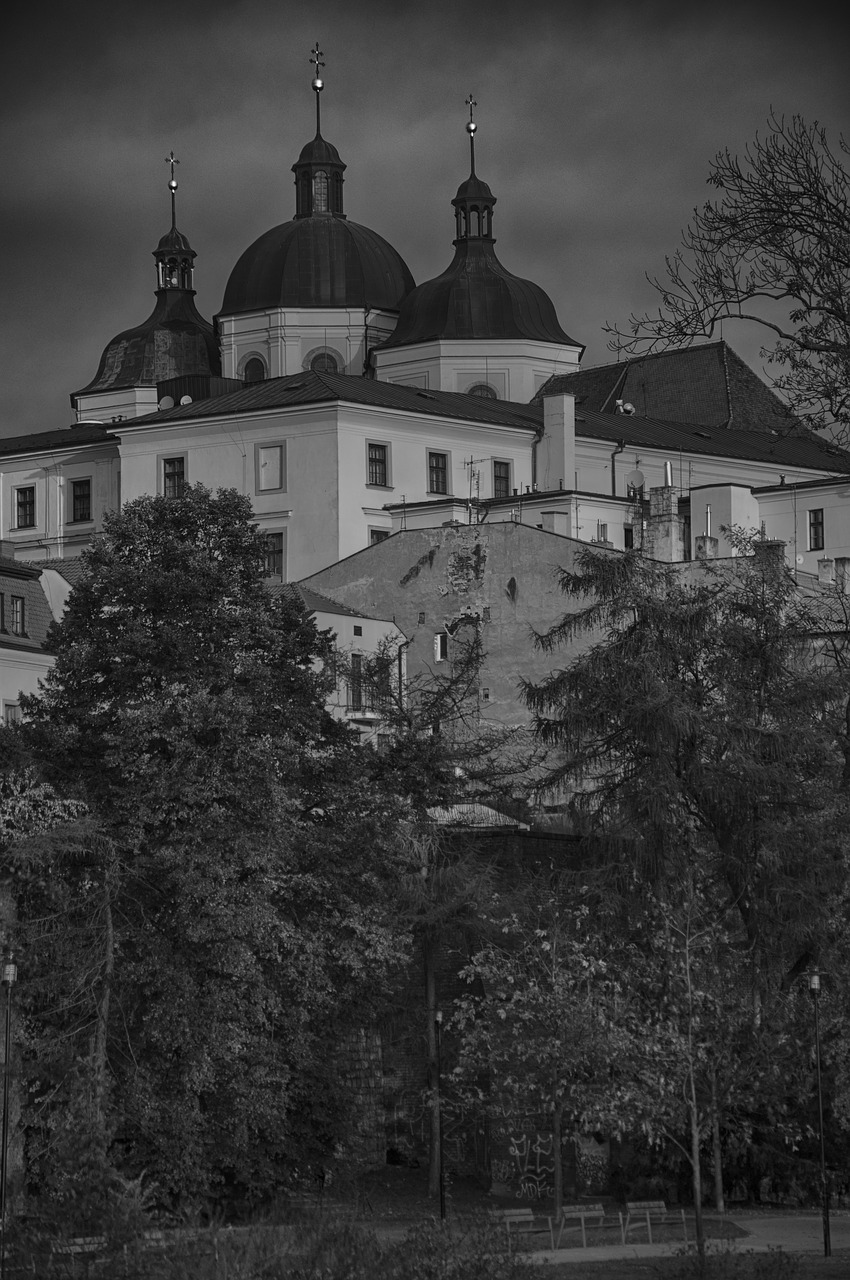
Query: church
x=351, y=404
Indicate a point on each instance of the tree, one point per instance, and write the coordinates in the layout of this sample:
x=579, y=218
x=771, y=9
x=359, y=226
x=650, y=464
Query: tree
x=701, y=727
x=235, y=887
x=538, y=1026
x=773, y=250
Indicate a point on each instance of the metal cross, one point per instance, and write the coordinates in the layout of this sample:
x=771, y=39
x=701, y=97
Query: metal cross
x=315, y=57
x=470, y=102
x=172, y=160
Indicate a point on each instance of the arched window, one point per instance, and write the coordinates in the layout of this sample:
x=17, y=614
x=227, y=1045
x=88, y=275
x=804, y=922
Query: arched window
x=484, y=390
x=254, y=371
x=324, y=362
x=320, y=192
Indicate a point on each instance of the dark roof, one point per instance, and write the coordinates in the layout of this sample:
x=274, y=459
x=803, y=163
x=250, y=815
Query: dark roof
x=803, y=484
x=37, y=615
x=312, y=387
x=477, y=298
x=175, y=339
x=66, y=438
x=707, y=384
x=805, y=450
x=312, y=601
x=73, y=569
x=318, y=261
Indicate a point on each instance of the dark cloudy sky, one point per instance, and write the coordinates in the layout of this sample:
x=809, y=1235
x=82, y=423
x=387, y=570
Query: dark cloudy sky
x=597, y=123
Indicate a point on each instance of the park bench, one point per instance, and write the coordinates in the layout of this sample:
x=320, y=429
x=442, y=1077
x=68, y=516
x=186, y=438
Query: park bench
x=643, y=1213
x=520, y=1222
x=593, y=1213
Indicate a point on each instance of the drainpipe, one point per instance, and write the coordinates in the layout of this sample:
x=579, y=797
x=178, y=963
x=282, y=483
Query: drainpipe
x=619, y=449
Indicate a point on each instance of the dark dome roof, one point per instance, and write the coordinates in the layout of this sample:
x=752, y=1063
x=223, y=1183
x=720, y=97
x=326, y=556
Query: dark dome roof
x=175, y=340
x=318, y=261
x=319, y=151
x=477, y=298
x=174, y=241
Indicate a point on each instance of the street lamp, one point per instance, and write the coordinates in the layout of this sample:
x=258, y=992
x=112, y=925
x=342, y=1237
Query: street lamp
x=438, y=1026
x=8, y=979
x=814, y=987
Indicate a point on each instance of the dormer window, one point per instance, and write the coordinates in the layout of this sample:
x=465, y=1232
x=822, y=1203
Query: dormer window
x=320, y=192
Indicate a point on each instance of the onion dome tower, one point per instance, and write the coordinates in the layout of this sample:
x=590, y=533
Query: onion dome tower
x=477, y=327
x=315, y=292
x=174, y=342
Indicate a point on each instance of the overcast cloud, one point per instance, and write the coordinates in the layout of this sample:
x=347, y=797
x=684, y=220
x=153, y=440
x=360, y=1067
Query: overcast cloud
x=597, y=124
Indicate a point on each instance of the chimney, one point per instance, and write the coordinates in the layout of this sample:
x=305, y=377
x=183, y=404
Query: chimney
x=662, y=539
x=705, y=547
x=770, y=552
x=556, y=522
x=842, y=574
x=826, y=571
x=556, y=448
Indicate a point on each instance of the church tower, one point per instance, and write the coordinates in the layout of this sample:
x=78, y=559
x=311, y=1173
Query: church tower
x=317, y=292
x=174, y=342
x=477, y=328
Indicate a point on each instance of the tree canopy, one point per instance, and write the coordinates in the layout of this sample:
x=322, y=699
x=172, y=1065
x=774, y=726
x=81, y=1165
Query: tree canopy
x=774, y=250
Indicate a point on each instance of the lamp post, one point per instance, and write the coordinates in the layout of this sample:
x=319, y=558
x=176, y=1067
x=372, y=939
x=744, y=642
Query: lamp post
x=9, y=978
x=814, y=987
x=438, y=1026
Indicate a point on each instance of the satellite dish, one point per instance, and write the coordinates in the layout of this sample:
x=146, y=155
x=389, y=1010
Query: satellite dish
x=635, y=479
x=185, y=399
x=799, y=559
x=167, y=402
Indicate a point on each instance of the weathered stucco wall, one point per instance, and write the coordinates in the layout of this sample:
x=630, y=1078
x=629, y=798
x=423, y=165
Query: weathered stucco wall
x=428, y=579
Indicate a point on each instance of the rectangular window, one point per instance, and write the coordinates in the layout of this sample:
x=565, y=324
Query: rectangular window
x=629, y=537
x=377, y=535
x=441, y=646
x=173, y=477
x=25, y=507
x=379, y=464
x=816, y=529
x=80, y=500
x=271, y=468
x=355, y=684
x=17, y=616
x=274, y=566
x=11, y=712
x=501, y=479
x=438, y=472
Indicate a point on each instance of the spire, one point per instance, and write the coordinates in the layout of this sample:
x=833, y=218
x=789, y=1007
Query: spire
x=474, y=201
x=318, y=85
x=174, y=255
x=319, y=169
x=471, y=127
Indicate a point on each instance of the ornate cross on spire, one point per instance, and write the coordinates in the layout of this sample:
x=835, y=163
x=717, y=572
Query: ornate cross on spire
x=318, y=82
x=471, y=127
x=172, y=185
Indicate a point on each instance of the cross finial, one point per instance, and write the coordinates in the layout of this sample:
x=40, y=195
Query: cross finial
x=172, y=185
x=318, y=83
x=471, y=126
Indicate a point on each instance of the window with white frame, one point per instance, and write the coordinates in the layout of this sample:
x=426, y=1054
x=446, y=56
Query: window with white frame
x=25, y=507
x=17, y=619
x=501, y=478
x=438, y=472
x=174, y=477
x=12, y=713
x=378, y=471
x=441, y=646
x=816, y=542
x=80, y=501
x=275, y=563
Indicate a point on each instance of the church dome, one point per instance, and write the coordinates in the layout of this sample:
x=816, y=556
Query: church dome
x=476, y=297
x=173, y=342
x=321, y=260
